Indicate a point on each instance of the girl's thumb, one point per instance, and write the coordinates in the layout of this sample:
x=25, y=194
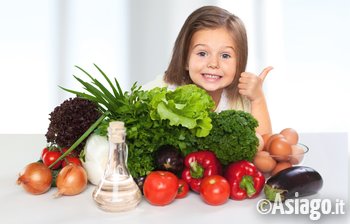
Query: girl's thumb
x=264, y=73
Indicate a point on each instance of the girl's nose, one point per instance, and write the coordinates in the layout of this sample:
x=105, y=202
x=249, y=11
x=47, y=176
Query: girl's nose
x=213, y=63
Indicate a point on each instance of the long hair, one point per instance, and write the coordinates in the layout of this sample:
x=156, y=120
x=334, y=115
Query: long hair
x=207, y=17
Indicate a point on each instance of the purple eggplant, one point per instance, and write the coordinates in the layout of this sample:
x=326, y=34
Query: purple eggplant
x=169, y=158
x=296, y=181
x=140, y=181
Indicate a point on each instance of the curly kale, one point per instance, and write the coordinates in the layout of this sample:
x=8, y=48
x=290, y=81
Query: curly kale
x=70, y=120
x=232, y=137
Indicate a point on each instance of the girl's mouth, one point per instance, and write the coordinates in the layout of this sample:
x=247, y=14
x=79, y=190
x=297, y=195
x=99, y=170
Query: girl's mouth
x=211, y=76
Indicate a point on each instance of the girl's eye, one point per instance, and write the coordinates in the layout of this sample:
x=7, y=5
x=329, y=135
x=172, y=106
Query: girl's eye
x=202, y=54
x=226, y=56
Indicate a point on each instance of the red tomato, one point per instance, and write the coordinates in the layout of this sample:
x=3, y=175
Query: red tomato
x=50, y=157
x=67, y=160
x=43, y=152
x=214, y=190
x=160, y=187
x=183, y=189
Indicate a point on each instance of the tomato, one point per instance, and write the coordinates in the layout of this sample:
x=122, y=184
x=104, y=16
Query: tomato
x=67, y=160
x=43, y=152
x=214, y=190
x=183, y=189
x=160, y=187
x=50, y=157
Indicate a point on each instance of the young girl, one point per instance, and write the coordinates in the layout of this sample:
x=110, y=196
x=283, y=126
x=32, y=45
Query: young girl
x=211, y=51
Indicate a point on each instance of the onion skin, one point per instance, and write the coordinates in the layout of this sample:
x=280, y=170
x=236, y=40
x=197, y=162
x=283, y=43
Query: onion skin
x=36, y=178
x=71, y=180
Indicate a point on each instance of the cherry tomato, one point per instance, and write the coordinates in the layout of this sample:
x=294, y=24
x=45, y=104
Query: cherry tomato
x=214, y=190
x=67, y=160
x=43, y=152
x=183, y=189
x=50, y=157
x=160, y=187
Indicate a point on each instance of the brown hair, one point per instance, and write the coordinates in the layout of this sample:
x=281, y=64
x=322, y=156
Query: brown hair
x=207, y=17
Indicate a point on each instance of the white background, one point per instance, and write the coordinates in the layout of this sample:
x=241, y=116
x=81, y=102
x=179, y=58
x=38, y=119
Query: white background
x=41, y=41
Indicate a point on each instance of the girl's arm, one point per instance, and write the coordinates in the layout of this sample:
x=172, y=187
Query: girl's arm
x=250, y=85
x=261, y=113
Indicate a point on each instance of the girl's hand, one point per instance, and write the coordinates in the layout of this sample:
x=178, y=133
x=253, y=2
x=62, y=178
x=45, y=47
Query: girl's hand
x=250, y=85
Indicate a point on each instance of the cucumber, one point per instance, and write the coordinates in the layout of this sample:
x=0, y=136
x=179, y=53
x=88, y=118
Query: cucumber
x=296, y=181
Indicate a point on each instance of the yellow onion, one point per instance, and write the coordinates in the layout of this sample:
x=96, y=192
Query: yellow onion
x=71, y=180
x=35, y=178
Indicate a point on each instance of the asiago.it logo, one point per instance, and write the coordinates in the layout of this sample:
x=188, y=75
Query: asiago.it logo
x=315, y=208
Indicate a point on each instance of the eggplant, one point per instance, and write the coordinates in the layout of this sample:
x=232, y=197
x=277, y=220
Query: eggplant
x=296, y=181
x=169, y=158
x=140, y=181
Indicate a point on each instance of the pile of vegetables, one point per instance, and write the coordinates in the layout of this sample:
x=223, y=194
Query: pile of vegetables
x=59, y=166
x=203, y=174
x=182, y=118
x=174, y=140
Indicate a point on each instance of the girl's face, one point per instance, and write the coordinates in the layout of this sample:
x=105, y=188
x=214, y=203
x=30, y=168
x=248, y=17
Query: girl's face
x=212, y=59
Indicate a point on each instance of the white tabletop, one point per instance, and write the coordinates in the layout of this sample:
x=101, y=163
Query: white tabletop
x=328, y=155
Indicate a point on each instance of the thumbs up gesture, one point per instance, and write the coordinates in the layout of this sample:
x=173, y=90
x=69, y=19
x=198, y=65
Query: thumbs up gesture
x=250, y=85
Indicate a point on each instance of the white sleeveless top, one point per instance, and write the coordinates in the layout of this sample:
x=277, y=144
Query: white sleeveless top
x=225, y=103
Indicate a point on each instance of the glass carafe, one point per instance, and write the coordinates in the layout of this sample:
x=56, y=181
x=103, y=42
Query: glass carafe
x=117, y=190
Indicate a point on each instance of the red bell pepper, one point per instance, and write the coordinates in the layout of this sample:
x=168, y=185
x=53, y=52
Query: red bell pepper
x=198, y=165
x=244, y=179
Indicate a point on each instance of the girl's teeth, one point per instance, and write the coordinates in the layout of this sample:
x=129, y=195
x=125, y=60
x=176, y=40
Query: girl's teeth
x=212, y=76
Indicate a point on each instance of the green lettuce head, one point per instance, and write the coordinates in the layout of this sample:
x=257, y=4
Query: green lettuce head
x=188, y=106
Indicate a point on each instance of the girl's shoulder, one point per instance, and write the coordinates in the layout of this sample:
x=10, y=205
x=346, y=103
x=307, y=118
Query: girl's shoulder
x=157, y=82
